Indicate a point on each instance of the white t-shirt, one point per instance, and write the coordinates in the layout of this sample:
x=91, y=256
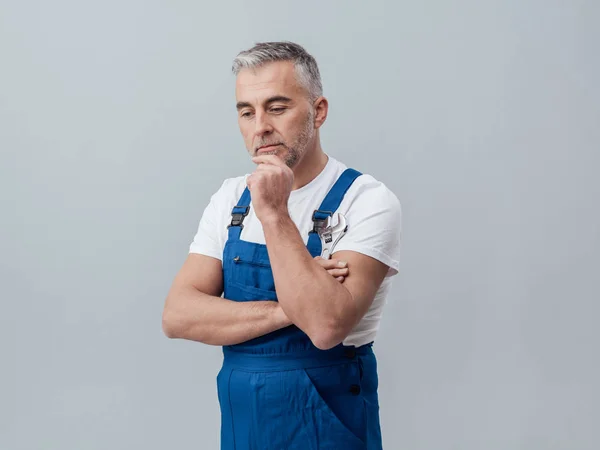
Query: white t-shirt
x=373, y=215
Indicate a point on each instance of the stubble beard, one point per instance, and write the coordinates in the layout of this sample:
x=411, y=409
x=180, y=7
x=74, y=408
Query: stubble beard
x=297, y=149
x=299, y=146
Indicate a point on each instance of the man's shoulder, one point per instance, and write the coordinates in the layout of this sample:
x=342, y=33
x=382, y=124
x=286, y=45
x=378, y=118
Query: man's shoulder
x=231, y=189
x=234, y=183
x=367, y=186
x=367, y=189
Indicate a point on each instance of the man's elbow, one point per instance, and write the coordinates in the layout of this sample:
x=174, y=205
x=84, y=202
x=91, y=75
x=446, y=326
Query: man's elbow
x=325, y=343
x=173, y=324
x=169, y=325
x=325, y=338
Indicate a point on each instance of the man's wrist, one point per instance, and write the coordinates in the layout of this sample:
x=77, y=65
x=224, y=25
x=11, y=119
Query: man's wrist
x=275, y=219
x=281, y=319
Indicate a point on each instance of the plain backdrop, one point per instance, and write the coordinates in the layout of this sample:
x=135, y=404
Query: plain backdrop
x=117, y=123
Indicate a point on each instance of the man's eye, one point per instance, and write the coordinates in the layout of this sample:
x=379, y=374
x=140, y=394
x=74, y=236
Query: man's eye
x=246, y=114
x=277, y=110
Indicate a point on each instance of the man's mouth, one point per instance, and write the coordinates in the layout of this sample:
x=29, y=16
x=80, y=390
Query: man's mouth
x=267, y=148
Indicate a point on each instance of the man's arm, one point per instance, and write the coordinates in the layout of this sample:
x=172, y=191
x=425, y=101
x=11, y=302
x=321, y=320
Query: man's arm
x=195, y=310
x=324, y=309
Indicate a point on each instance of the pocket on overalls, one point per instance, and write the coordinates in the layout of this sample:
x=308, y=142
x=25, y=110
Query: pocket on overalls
x=255, y=273
x=241, y=292
x=338, y=409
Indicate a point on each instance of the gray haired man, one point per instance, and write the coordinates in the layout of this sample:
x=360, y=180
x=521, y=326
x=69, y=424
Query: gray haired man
x=297, y=330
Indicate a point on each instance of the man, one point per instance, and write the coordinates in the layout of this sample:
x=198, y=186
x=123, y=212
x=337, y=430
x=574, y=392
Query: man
x=299, y=371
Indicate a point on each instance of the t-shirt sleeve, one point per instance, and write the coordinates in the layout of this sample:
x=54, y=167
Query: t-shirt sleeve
x=374, y=217
x=209, y=238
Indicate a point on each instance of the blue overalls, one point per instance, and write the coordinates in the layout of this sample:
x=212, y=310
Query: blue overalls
x=278, y=391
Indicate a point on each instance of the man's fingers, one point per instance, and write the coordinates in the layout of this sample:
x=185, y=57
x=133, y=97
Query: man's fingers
x=330, y=263
x=335, y=268
x=338, y=272
x=268, y=159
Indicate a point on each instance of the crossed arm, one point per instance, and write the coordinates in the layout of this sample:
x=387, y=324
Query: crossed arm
x=194, y=309
x=324, y=309
x=323, y=300
x=310, y=294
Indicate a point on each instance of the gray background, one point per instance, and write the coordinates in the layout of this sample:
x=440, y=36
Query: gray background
x=117, y=123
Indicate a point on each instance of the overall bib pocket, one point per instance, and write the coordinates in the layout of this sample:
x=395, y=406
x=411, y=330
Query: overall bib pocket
x=244, y=293
x=252, y=272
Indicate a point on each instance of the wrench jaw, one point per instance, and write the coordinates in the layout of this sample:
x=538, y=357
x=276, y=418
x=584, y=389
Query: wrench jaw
x=337, y=236
x=330, y=235
x=341, y=225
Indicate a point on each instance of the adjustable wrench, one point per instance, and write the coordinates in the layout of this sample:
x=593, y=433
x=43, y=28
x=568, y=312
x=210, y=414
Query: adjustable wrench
x=330, y=235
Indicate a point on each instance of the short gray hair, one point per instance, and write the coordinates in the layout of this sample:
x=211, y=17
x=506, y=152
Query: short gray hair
x=307, y=71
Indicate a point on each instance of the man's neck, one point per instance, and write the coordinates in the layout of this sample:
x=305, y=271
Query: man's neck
x=311, y=165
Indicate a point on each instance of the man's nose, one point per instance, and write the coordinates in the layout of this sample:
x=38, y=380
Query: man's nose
x=262, y=124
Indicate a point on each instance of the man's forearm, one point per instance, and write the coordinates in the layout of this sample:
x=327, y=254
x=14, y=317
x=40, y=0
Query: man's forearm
x=193, y=315
x=308, y=295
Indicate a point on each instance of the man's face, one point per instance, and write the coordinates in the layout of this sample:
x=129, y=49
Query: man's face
x=274, y=112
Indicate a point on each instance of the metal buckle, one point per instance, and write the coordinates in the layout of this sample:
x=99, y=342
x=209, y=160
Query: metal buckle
x=237, y=218
x=319, y=224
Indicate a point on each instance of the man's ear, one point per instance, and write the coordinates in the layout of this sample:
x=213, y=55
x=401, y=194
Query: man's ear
x=321, y=106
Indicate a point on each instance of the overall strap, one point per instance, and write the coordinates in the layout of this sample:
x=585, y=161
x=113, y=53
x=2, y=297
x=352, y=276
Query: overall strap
x=330, y=204
x=238, y=213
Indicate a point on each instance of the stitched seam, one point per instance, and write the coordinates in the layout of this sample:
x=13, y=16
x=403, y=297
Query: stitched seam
x=231, y=408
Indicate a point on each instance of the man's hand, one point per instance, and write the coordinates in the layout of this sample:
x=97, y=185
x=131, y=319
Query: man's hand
x=336, y=268
x=270, y=186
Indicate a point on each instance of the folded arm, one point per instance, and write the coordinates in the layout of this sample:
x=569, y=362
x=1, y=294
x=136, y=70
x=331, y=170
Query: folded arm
x=195, y=310
x=324, y=309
